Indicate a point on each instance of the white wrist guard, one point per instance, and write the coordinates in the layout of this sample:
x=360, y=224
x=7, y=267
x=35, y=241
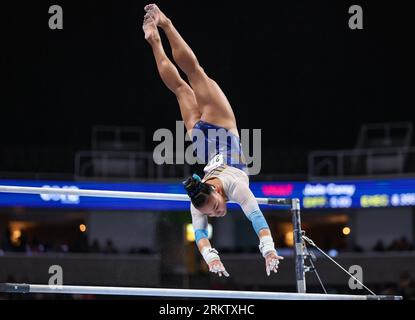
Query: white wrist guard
x=210, y=254
x=266, y=245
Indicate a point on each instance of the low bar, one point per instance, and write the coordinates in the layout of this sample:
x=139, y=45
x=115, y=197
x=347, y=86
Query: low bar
x=183, y=293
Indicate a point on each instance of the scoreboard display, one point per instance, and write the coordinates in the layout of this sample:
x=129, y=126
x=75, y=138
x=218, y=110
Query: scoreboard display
x=346, y=194
x=313, y=195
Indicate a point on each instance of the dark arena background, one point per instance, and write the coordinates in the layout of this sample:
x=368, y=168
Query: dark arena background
x=80, y=107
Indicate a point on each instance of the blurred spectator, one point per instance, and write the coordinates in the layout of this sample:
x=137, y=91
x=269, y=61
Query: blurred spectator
x=404, y=244
x=406, y=286
x=401, y=244
x=109, y=247
x=81, y=244
x=22, y=246
x=394, y=245
x=379, y=246
x=95, y=246
x=6, y=242
x=35, y=246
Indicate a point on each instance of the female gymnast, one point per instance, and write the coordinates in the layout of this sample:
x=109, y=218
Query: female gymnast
x=204, y=107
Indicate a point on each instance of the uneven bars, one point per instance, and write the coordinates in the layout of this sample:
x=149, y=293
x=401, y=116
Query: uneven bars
x=122, y=194
x=295, y=207
x=183, y=293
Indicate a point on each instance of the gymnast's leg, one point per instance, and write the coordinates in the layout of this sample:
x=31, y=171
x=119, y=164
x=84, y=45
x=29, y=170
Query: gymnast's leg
x=187, y=101
x=213, y=103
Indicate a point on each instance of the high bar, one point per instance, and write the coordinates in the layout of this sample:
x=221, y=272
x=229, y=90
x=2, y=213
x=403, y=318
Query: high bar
x=183, y=293
x=121, y=194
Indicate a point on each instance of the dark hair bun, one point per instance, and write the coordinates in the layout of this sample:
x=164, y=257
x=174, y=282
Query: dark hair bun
x=193, y=185
x=197, y=190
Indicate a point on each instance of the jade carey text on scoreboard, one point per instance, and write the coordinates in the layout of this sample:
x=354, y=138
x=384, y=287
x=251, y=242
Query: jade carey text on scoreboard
x=346, y=194
x=334, y=194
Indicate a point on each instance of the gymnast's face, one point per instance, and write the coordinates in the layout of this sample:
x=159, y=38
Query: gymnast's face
x=215, y=206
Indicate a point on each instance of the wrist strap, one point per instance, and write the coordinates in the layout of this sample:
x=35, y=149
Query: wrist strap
x=266, y=245
x=210, y=254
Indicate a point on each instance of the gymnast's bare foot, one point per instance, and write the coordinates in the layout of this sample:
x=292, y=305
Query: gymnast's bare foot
x=158, y=16
x=151, y=32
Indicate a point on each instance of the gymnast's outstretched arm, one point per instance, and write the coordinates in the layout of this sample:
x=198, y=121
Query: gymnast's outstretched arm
x=241, y=193
x=211, y=255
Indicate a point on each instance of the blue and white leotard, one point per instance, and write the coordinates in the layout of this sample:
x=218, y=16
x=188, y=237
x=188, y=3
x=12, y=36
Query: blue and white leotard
x=210, y=140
